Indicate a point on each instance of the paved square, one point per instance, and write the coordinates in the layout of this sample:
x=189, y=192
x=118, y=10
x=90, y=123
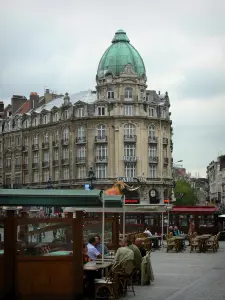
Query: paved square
x=186, y=276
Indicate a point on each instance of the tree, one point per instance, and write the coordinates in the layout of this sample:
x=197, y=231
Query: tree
x=184, y=193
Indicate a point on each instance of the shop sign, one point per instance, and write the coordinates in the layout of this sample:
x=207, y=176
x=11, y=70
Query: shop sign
x=132, y=201
x=132, y=179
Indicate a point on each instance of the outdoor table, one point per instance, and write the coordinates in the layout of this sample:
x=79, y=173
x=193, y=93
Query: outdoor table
x=201, y=241
x=59, y=253
x=156, y=239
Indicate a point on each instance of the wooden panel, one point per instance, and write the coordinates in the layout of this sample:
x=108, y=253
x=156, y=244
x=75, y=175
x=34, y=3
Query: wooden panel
x=52, y=276
x=1, y=272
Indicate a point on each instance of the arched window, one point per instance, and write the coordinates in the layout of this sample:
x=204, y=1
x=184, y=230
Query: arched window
x=152, y=131
x=101, y=131
x=128, y=93
x=35, y=139
x=129, y=130
x=46, y=137
x=35, y=122
x=65, y=134
x=81, y=132
x=110, y=93
x=26, y=124
x=45, y=119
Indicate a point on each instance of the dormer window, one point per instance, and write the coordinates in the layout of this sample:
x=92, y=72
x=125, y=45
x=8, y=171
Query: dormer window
x=80, y=112
x=163, y=114
x=152, y=112
x=56, y=117
x=26, y=124
x=35, y=122
x=45, y=119
x=110, y=94
x=101, y=111
x=66, y=114
x=128, y=93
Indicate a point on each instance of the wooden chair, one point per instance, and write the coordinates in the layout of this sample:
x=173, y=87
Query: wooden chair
x=194, y=244
x=210, y=244
x=217, y=240
x=108, y=287
x=124, y=276
x=170, y=243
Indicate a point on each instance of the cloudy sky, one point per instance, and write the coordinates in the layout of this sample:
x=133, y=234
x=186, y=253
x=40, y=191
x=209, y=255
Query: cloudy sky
x=58, y=44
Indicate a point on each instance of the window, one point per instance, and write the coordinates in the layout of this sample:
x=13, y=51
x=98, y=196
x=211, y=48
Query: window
x=81, y=152
x=153, y=172
x=26, y=177
x=56, y=155
x=130, y=170
x=110, y=94
x=81, y=132
x=101, y=171
x=130, y=150
x=163, y=113
x=164, y=132
x=36, y=139
x=65, y=134
x=35, y=122
x=66, y=173
x=17, y=161
x=65, y=153
x=152, y=131
x=66, y=114
x=101, y=131
x=81, y=172
x=129, y=129
x=45, y=119
x=101, y=110
x=206, y=221
x=46, y=137
x=152, y=112
x=56, y=136
x=56, y=174
x=128, y=110
x=80, y=112
x=102, y=151
x=128, y=93
x=46, y=156
x=35, y=158
x=152, y=151
x=56, y=117
x=26, y=160
x=46, y=175
x=8, y=162
x=17, y=140
x=26, y=141
x=26, y=124
x=35, y=176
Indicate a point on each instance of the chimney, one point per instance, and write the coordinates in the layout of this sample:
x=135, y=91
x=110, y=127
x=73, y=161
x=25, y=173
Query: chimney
x=34, y=99
x=159, y=93
x=2, y=110
x=47, y=91
x=17, y=101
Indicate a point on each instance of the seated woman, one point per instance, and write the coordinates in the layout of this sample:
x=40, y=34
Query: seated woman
x=86, y=258
x=176, y=231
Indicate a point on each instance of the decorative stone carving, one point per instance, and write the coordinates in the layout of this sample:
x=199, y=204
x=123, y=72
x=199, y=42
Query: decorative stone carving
x=128, y=70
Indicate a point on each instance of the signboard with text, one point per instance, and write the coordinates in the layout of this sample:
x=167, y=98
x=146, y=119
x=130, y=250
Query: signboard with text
x=132, y=201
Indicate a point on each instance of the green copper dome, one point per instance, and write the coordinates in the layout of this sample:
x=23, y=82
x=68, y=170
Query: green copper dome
x=120, y=54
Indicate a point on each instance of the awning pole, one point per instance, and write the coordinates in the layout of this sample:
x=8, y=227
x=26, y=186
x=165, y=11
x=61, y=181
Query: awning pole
x=162, y=229
x=103, y=226
x=124, y=218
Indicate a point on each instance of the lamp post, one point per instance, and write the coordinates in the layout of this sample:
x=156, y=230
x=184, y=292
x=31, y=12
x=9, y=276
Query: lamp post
x=91, y=178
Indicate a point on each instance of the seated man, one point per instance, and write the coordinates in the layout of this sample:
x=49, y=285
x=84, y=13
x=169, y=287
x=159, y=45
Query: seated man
x=138, y=243
x=92, y=251
x=99, y=245
x=137, y=255
x=123, y=254
x=147, y=231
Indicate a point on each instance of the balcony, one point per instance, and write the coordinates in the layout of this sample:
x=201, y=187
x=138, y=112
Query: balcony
x=25, y=166
x=100, y=139
x=35, y=147
x=55, y=163
x=153, y=159
x=45, y=145
x=81, y=160
x=34, y=165
x=165, y=161
x=65, y=142
x=165, y=141
x=25, y=148
x=152, y=139
x=81, y=140
x=45, y=164
x=55, y=144
x=101, y=159
x=65, y=161
x=129, y=138
x=130, y=159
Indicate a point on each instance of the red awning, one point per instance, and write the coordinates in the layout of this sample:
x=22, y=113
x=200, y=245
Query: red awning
x=195, y=209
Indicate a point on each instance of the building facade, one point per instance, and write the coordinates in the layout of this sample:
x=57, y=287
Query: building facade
x=121, y=129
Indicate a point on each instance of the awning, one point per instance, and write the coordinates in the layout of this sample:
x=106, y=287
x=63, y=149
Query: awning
x=194, y=209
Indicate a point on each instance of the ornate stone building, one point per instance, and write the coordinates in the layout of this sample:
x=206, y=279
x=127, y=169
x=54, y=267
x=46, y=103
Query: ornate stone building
x=120, y=130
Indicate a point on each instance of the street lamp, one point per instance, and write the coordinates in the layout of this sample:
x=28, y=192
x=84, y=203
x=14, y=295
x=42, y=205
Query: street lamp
x=91, y=178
